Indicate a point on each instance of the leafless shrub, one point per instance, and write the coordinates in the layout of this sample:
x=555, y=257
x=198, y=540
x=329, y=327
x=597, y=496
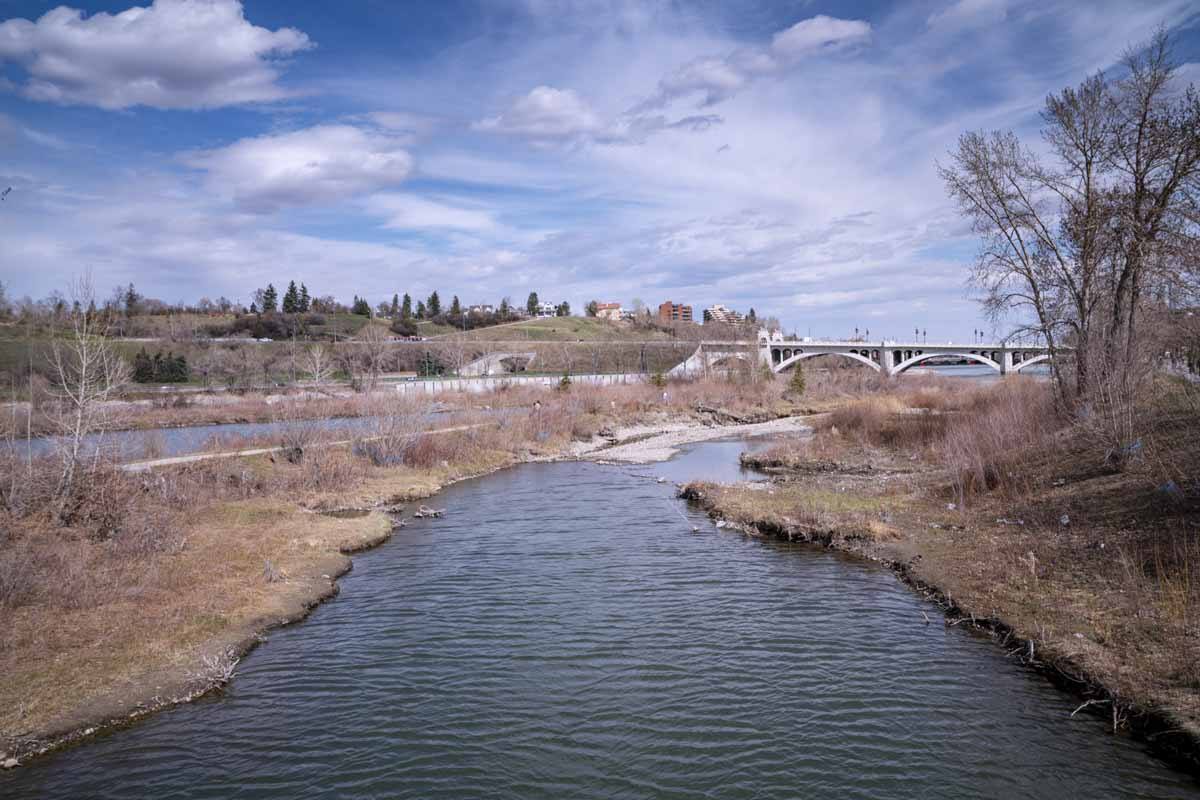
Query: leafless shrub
x=216, y=669
x=297, y=431
x=271, y=573
x=397, y=424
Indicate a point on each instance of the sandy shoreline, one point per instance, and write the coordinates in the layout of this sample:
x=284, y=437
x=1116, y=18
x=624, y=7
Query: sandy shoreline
x=650, y=443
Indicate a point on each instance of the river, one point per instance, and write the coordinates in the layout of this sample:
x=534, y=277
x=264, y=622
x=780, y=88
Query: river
x=562, y=632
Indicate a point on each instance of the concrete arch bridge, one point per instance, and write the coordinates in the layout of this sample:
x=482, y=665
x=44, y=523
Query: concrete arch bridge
x=890, y=358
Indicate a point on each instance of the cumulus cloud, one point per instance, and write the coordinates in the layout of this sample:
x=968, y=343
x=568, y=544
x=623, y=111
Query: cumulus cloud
x=173, y=54
x=545, y=113
x=716, y=79
x=319, y=164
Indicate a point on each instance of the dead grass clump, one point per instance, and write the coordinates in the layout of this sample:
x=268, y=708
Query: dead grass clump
x=986, y=444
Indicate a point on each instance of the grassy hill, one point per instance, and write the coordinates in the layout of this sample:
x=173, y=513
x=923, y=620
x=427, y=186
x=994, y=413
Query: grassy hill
x=567, y=329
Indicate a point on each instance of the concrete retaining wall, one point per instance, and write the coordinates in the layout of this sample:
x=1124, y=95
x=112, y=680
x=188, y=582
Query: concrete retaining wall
x=494, y=382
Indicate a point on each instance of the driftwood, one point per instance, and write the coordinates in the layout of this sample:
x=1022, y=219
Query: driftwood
x=426, y=511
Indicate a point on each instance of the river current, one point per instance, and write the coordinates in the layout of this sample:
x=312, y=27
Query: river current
x=563, y=632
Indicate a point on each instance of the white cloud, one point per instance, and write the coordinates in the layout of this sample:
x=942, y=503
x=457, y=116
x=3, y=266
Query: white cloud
x=713, y=78
x=545, y=113
x=716, y=79
x=320, y=164
x=965, y=14
x=410, y=212
x=820, y=33
x=174, y=54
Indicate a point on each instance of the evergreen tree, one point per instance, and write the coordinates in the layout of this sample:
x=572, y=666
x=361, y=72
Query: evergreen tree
x=563, y=310
x=504, y=310
x=455, y=307
x=253, y=308
x=434, y=305
x=752, y=317
x=430, y=365
x=796, y=384
x=270, y=299
x=143, y=367
x=531, y=305
x=406, y=307
x=131, y=298
x=291, y=298
x=395, y=305
x=420, y=309
x=361, y=307
x=592, y=308
x=305, y=302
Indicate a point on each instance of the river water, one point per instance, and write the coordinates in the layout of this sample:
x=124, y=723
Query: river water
x=562, y=632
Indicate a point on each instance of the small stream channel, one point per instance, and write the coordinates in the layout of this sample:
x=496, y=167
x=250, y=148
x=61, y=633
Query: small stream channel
x=562, y=632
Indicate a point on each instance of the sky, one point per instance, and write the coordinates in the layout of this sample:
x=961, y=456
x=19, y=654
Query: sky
x=780, y=156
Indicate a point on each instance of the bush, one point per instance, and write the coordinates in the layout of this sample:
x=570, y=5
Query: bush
x=159, y=368
x=796, y=385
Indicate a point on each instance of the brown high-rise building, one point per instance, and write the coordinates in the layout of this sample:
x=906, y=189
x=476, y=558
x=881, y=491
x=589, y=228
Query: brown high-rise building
x=673, y=312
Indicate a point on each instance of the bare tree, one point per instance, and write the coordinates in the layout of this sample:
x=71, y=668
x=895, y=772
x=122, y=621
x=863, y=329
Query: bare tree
x=372, y=353
x=1075, y=240
x=88, y=373
x=319, y=363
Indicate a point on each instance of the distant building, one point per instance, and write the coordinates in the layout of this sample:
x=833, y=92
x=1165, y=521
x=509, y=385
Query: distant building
x=486, y=309
x=547, y=309
x=721, y=314
x=609, y=311
x=674, y=312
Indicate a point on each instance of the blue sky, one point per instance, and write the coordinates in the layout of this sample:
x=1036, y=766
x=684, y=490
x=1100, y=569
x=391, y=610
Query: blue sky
x=779, y=156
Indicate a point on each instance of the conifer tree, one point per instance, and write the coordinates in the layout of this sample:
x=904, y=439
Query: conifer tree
x=531, y=305
x=406, y=307
x=291, y=298
x=270, y=299
x=305, y=302
x=395, y=305
x=421, y=309
x=455, y=307
x=434, y=305
x=796, y=384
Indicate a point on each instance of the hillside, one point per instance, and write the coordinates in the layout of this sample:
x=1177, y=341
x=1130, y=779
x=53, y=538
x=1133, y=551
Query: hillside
x=567, y=329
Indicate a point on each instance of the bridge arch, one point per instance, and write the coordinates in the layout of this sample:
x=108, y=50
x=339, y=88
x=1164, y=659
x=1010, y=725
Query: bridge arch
x=725, y=360
x=1027, y=362
x=919, y=357
x=800, y=355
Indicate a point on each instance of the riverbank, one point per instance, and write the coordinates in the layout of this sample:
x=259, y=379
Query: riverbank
x=1083, y=572
x=121, y=627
